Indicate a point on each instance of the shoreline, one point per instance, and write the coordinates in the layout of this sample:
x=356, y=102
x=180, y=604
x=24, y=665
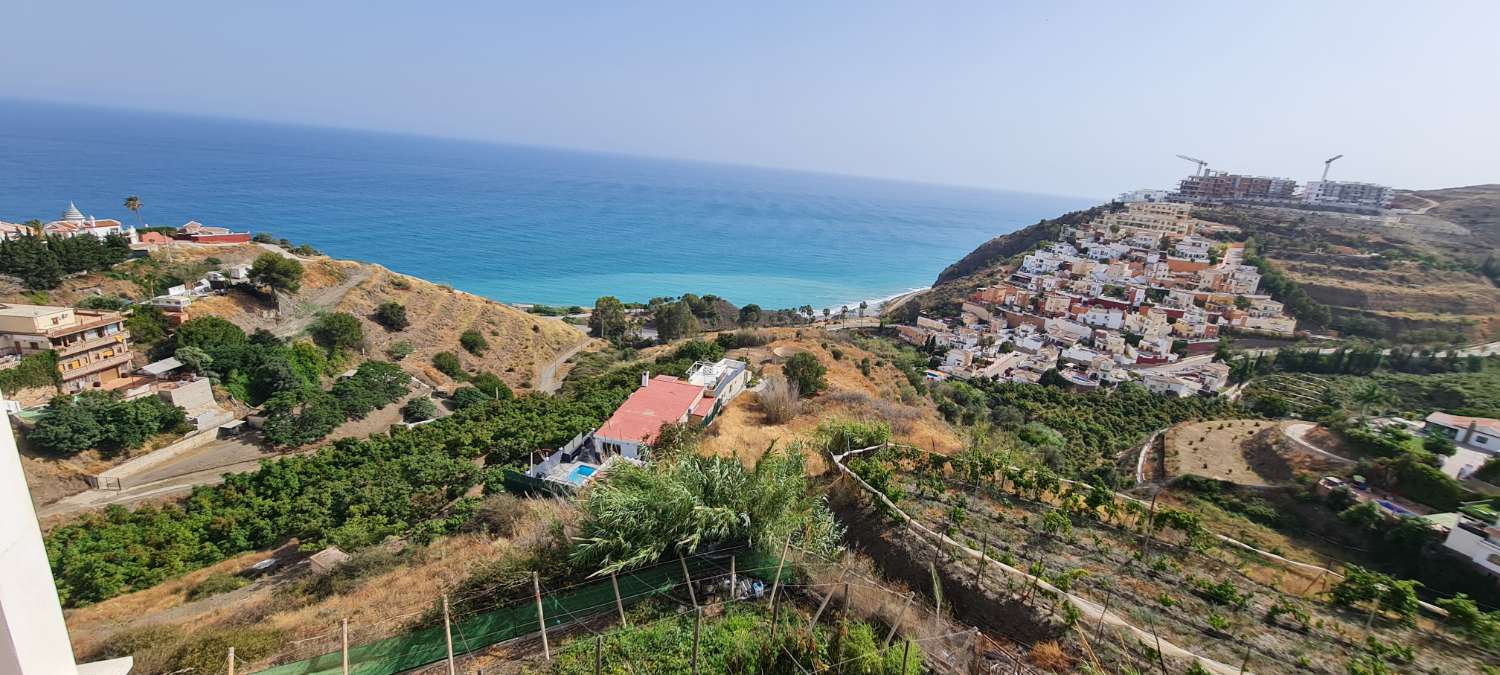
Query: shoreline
x=875, y=305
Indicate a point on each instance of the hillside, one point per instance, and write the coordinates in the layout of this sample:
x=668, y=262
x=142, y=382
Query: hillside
x=1416, y=274
x=521, y=344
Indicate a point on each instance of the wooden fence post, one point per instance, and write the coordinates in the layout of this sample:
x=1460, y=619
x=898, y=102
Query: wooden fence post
x=734, y=585
x=344, y=651
x=619, y=604
x=892, y=632
x=448, y=637
x=697, y=626
x=231, y=661
x=978, y=654
x=688, y=579
x=598, y=653
x=541, y=618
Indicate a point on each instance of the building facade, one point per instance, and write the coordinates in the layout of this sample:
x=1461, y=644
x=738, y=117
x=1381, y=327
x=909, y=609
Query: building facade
x=1348, y=194
x=1231, y=187
x=93, y=348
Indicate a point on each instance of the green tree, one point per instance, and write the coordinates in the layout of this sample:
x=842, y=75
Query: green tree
x=750, y=315
x=337, y=331
x=299, y=417
x=807, y=372
x=195, y=359
x=147, y=324
x=210, y=333
x=392, y=315
x=675, y=320
x=66, y=428
x=609, y=320
x=277, y=272
x=1438, y=445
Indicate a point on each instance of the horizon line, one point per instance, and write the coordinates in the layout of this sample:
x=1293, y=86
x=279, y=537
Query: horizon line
x=523, y=144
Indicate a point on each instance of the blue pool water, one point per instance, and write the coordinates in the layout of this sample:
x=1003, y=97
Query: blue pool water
x=514, y=223
x=580, y=474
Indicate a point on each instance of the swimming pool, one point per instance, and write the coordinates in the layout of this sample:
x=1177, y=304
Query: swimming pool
x=580, y=474
x=1394, y=508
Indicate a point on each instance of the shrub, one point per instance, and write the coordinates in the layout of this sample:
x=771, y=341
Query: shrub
x=473, y=342
x=336, y=331
x=34, y=370
x=805, y=371
x=744, y=337
x=498, y=515
x=216, y=584
x=637, y=515
x=492, y=386
x=399, y=350
x=392, y=315
x=263, y=238
x=419, y=409
x=447, y=364
x=373, y=385
x=779, y=400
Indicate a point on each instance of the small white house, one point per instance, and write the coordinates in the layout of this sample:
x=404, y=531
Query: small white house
x=1474, y=433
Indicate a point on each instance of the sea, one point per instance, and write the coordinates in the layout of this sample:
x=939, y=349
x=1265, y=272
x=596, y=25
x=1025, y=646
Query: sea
x=515, y=223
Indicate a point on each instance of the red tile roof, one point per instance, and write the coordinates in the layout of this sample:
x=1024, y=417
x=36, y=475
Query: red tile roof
x=664, y=400
x=704, y=406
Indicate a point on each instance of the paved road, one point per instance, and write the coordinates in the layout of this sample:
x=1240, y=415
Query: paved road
x=547, y=380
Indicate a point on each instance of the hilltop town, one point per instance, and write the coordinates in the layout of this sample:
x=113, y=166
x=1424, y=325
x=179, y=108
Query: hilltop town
x=1142, y=284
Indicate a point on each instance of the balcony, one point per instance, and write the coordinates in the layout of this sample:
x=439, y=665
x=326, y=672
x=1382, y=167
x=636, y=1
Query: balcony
x=69, y=349
x=87, y=368
x=86, y=320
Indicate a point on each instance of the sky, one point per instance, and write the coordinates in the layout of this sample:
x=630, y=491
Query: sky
x=1073, y=98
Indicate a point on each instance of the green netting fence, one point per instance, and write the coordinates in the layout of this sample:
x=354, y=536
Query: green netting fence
x=422, y=647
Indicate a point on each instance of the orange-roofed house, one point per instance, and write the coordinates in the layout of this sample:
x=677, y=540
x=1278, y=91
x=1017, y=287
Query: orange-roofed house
x=661, y=400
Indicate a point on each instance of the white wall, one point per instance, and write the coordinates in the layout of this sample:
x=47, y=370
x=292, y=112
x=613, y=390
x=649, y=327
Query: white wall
x=33, y=638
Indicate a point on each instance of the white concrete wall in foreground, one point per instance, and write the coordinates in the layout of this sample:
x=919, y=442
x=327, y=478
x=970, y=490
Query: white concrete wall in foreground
x=33, y=637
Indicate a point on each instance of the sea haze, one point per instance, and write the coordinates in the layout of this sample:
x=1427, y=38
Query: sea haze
x=514, y=223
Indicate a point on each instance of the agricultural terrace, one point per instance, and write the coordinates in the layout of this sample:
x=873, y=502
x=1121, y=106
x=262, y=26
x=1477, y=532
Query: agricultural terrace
x=1161, y=571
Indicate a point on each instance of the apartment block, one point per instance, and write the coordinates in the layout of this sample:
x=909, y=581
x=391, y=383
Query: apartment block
x=1232, y=187
x=1348, y=194
x=93, y=348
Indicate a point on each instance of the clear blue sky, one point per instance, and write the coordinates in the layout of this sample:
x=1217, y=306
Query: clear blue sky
x=1070, y=98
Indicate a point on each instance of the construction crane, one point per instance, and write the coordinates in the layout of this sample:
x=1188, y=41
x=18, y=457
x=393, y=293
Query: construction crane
x=1201, y=164
x=1328, y=163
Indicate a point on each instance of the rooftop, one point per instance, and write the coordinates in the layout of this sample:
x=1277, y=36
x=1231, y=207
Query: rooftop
x=662, y=399
x=1486, y=424
x=30, y=311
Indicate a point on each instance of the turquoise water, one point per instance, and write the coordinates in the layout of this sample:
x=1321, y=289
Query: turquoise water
x=515, y=223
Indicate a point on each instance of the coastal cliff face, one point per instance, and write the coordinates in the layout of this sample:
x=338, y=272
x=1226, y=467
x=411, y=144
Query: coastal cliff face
x=1419, y=275
x=995, y=252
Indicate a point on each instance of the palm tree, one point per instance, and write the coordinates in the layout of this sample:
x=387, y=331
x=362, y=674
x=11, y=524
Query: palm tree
x=1369, y=395
x=862, y=307
x=133, y=204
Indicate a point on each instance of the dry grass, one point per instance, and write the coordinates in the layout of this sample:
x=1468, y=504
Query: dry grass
x=779, y=400
x=1050, y=656
x=745, y=431
x=378, y=606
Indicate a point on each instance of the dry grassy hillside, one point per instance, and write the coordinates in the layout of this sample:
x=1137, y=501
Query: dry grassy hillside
x=521, y=344
x=744, y=431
